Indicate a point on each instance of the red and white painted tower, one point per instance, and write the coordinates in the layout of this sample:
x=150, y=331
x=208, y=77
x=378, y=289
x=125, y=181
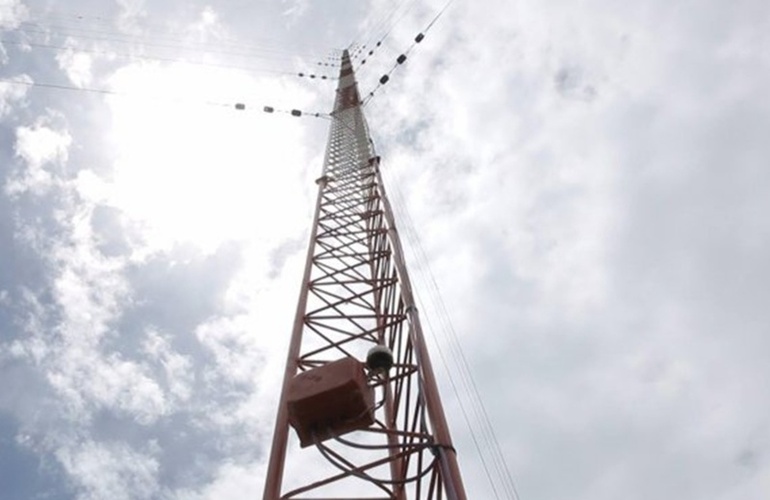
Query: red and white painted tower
x=360, y=415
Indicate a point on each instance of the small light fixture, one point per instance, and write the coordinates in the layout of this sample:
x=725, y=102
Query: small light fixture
x=379, y=359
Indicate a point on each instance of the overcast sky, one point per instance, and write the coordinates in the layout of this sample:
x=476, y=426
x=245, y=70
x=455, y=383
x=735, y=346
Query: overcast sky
x=588, y=183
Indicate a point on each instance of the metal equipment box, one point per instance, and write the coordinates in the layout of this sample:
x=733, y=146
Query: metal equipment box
x=330, y=400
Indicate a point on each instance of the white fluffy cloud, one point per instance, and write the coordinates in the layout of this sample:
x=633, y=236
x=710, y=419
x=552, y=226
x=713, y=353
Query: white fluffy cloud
x=77, y=65
x=111, y=470
x=12, y=13
x=42, y=147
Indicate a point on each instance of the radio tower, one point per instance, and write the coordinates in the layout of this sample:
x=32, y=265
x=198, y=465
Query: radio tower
x=359, y=392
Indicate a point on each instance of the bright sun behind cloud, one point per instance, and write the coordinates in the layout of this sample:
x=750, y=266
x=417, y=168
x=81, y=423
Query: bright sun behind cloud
x=190, y=168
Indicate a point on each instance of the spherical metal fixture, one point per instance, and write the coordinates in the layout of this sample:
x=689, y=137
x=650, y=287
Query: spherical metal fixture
x=379, y=359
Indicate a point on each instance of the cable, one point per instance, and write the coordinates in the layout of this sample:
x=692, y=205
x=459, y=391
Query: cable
x=256, y=52
x=386, y=25
x=439, y=14
x=402, y=58
x=410, y=231
x=238, y=106
x=61, y=86
x=122, y=55
x=72, y=18
x=77, y=31
x=468, y=381
x=502, y=472
x=109, y=92
x=491, y=442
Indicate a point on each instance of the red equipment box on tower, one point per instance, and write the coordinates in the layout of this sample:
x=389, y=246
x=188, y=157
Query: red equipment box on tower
x=330, y=400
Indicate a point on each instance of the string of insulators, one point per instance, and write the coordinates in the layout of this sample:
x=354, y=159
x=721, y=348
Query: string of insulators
x=392, y=20
x=358, y=51
x=313, y=76
x=238, y=106
x=330, y=61
x=401, y=59
x=371, y=52
x=293, y=112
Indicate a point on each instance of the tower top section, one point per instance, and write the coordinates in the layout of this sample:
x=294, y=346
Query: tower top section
x=347, y=88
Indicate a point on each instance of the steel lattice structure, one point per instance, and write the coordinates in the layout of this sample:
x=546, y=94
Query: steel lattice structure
x=356, y=294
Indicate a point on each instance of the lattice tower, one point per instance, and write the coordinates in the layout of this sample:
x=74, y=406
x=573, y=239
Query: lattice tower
x=356, y=295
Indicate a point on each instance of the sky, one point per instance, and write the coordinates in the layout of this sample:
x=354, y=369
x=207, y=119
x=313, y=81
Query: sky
x=585, y=185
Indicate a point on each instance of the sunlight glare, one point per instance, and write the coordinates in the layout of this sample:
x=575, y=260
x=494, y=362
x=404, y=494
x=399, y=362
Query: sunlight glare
x=190, y=171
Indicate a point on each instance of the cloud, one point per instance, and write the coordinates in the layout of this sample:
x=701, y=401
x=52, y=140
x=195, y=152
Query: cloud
x=91, y=375
x=232, y=481
x=113, y=470
x=88, y=292
x=132, y=12
x=296, y=10
x=606, y=242
x=12, y=13
x=218, y=163
x=107, y=387
x=177, y=368
x=77, y=66
x=208, y=27
x=39, y=146
x=12, y=93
